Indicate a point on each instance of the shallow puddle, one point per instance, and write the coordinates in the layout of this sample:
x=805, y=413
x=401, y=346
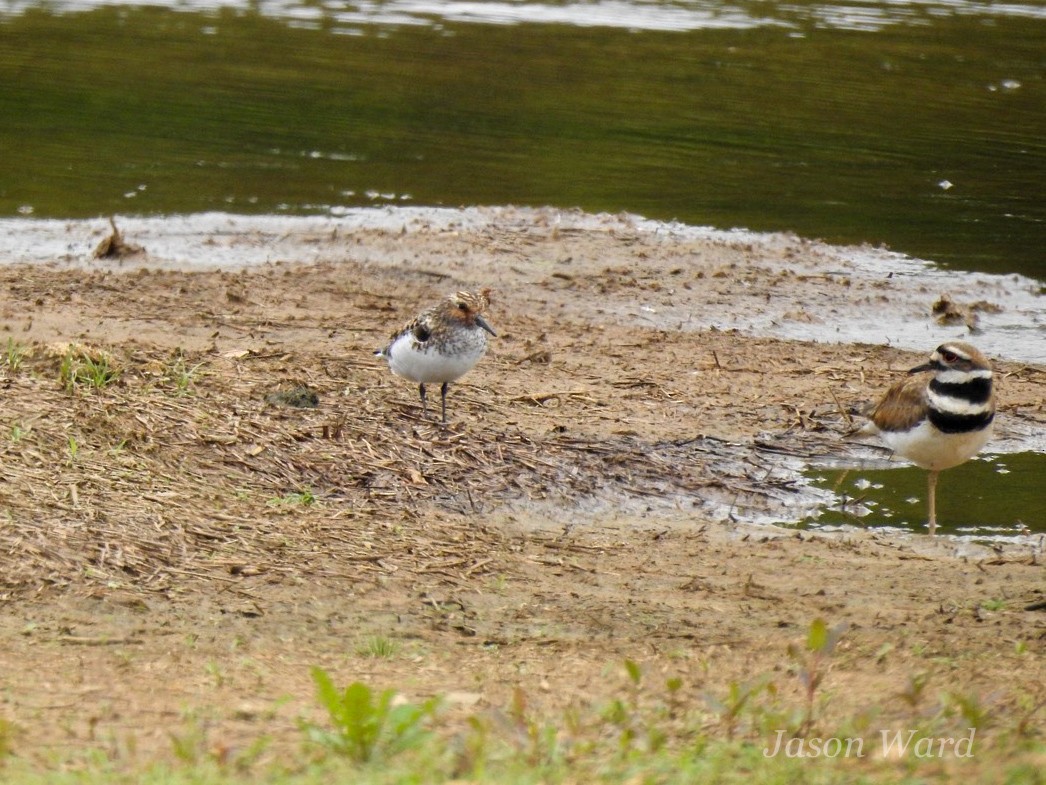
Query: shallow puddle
x=997, y=495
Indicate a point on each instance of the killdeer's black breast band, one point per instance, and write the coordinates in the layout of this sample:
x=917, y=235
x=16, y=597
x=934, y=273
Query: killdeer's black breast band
x=946, y=422
x=973, y=390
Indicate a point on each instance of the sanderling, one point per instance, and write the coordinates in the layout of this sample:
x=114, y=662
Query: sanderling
x=441, y=344
x=940, y=417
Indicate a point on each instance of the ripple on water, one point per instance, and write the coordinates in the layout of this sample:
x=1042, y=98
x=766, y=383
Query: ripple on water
x=682, y=15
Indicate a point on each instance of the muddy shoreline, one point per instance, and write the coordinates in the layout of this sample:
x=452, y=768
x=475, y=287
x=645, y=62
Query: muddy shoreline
x=676, y=277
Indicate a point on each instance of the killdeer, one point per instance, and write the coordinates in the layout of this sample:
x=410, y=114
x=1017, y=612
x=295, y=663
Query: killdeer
x=441, y=344
x=941, y=415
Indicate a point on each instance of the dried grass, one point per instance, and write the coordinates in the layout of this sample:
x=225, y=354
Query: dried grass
x=147, y=486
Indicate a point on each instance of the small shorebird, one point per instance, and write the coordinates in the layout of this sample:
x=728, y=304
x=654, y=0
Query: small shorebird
x=441, y=344
x=941, y=415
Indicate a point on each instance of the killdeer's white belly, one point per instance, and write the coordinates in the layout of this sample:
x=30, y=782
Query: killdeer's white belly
x=935, y=450
x=429, y=364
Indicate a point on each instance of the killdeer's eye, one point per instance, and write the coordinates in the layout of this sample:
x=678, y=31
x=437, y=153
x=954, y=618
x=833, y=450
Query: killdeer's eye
x=949, y=357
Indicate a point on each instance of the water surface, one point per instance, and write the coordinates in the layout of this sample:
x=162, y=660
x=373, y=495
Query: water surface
x=919, y=125
x=991, y=496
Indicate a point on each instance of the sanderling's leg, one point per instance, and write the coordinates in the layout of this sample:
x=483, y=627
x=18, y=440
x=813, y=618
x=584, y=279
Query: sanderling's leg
x=424, y=405
x=443, y=399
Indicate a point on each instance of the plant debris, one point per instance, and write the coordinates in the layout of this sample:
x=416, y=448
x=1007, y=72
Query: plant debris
x=140, y=485
x=113, y=245
x=297, y=397
x=947, y=311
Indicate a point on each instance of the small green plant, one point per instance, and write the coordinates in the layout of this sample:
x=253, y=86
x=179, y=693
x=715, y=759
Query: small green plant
x=969, y=707
x=16, y=353
x=368, y=725
x=1027, y=707
x=883, y=651
x=635, y=674
x=915, y=690
x=8, y=732
x=74, y=449
x=498, y=584
x=813, y=662
x=195, y=747
x=190, y=746
x=537, y=742
x=993, y=605
x=181, y=374
x=475, y=747
x=303, y=498
x=81, y=369
x=378, y=647
x=730, y=707
x=674, y=687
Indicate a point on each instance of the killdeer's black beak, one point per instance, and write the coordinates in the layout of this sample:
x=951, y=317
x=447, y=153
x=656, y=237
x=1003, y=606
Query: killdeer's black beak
x=483, y=323
x=930, y=366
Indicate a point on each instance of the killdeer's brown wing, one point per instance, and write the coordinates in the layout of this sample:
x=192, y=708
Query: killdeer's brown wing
x=903, y=405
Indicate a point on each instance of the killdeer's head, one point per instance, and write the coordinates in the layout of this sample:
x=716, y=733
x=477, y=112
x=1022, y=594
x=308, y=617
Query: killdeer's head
x=956, y=362
x=959, y=395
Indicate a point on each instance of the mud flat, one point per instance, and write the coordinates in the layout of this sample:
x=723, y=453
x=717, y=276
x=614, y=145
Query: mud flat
x=601, y=492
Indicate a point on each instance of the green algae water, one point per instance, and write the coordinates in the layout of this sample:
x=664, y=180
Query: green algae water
x=918, y=126
x=991, y=496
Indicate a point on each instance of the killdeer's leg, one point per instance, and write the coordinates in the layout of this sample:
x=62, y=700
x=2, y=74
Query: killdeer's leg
x=931, y=497
x=443, y=399
x=424, y=405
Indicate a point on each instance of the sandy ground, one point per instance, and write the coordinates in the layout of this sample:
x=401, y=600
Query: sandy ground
x=180, y=547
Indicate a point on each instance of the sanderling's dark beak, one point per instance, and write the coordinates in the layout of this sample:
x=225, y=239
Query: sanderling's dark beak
x=930, y=366
x=483, y=323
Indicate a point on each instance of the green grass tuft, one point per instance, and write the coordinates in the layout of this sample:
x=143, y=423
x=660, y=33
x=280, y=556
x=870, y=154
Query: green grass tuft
x=367, y=725
x=81, y=369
